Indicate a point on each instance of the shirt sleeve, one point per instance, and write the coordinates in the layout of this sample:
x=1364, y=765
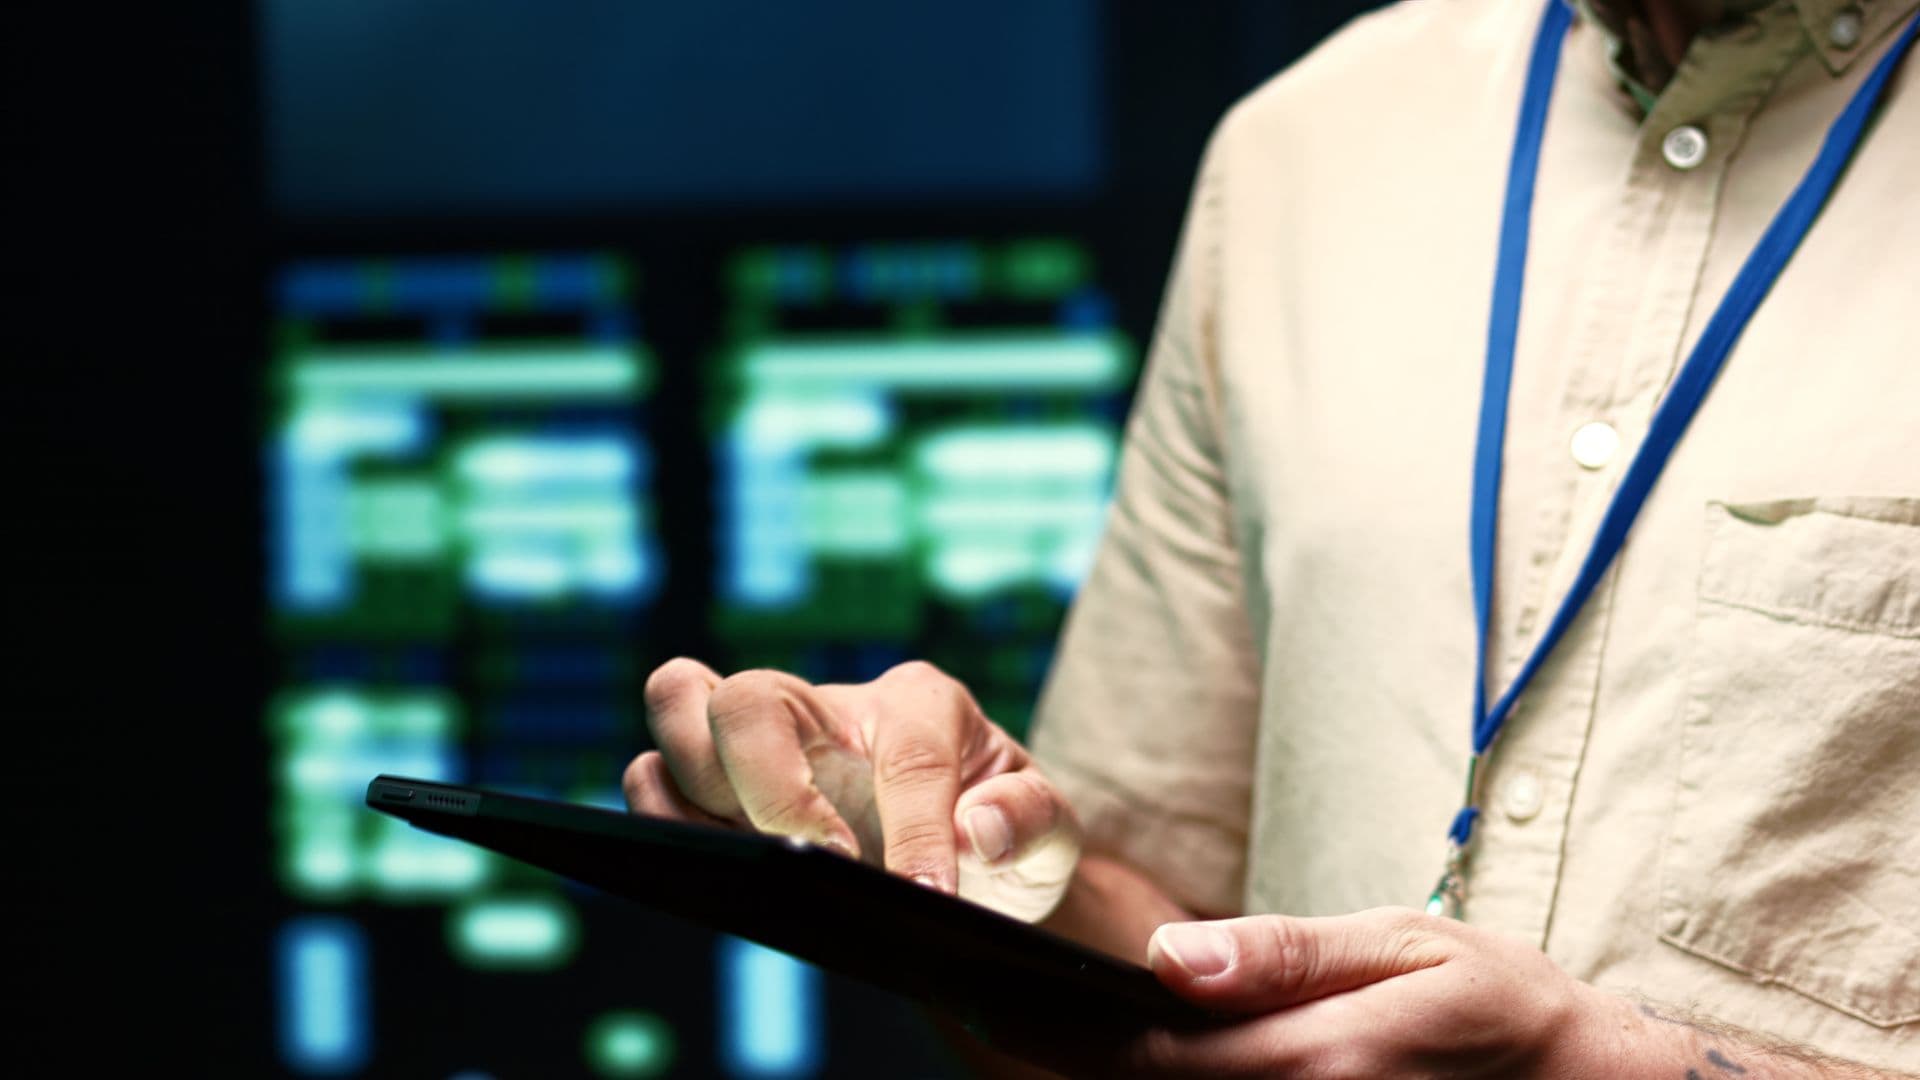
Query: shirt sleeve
x=1147, y=719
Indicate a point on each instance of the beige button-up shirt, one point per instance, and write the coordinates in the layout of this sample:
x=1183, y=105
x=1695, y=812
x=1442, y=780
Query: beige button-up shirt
x=1711, y=794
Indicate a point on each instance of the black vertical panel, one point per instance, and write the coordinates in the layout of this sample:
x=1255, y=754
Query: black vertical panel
x=133, y=647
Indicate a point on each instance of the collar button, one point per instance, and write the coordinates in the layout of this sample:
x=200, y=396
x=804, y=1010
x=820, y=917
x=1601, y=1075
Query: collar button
x=1844, y=31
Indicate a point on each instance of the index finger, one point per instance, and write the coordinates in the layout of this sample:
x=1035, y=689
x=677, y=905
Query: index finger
x=762, y=723
x=916, y=771
x=676, y=696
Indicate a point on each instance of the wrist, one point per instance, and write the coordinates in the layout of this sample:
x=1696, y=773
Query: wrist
x=1112, y=907
x=1611, y=1036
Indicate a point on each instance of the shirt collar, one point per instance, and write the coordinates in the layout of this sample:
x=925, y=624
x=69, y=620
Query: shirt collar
x=1822, y=21
x=1840, y=31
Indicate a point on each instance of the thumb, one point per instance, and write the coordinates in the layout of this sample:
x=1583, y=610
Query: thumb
x=1005, y=818
x=1022, y=842
x=1263, y=963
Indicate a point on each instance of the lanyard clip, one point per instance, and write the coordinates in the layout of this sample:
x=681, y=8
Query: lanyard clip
x=1449, y=893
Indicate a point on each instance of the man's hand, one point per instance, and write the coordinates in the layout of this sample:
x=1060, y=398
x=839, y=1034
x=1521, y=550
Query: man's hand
x=905, y=772
x=1384, y=993
x=1394, y=993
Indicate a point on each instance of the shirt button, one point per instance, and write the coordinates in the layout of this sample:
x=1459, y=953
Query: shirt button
x=1522, y=797
x=1844, y=31
x=1593, y=445
x=1684, y=147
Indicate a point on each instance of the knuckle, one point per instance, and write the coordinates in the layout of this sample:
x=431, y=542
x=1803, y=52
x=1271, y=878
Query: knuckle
x=1401, y=920
x=916, y=671
x=923, y=676
x=1032, y=807
x=787, y=809
x=741, y=697
x=672, y=679
x=672, y=675
x=1408, y=953
x=1290, y=958
x=917, y=837
x=912, y=762
x=1408, y=939
x=1033, y=789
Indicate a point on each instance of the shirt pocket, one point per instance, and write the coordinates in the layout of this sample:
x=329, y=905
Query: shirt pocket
x=1794, y=854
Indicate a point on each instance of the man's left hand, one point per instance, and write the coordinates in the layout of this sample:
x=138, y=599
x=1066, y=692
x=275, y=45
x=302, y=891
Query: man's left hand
x=1383, y=993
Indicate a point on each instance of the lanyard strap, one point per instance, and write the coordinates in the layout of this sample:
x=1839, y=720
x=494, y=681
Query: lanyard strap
x=1676, y=408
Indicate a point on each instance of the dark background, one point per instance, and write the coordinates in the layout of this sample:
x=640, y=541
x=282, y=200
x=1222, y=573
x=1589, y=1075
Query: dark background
x=163, y=190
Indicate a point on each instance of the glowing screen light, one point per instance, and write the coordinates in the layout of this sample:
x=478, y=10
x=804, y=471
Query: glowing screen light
x=770, y=1023
x=629, y=1044
x=415, y=474
x=528, y=933
x=462, y=554
x=323, y=980
x=916, y=457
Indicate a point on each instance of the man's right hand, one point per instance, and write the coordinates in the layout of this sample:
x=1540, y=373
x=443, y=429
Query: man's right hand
x=905, y=772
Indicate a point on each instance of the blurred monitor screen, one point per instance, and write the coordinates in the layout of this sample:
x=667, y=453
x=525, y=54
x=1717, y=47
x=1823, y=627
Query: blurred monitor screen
x=910, y=445
x=917, y=445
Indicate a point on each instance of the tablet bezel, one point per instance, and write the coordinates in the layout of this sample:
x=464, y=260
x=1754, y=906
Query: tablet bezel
x=989, y=971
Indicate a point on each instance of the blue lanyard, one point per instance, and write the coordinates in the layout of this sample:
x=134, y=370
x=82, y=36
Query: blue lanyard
x=1670, y=417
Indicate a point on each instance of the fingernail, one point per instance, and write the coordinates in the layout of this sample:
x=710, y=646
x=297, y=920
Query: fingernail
x=927, y=881
x=988, y=831
x=839, y=847
x=1201, y=951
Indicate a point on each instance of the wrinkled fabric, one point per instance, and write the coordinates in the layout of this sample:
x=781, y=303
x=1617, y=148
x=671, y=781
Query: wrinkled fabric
x=1710, y=795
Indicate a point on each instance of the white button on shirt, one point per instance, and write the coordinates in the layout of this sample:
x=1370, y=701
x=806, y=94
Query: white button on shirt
x=1844, y=31
x=1685, y=147
x=1521, y=797
x=1594, y=444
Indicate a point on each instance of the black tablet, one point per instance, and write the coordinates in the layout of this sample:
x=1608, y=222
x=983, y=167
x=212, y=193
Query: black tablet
x=990, y=972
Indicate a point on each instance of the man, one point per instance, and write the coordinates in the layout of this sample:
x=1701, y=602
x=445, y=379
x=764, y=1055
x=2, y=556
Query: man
x=1702, y=811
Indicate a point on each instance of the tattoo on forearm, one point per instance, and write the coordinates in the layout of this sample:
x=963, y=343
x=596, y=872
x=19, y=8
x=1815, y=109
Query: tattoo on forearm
x=1715, y=1059
x=1719, y=1061
x=1775, y=1058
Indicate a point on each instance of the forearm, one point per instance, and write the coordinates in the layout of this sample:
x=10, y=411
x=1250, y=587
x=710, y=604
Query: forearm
x=1654, y=1041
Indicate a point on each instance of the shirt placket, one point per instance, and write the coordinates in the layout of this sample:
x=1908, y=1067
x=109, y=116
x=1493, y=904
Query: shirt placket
x=1638, y=308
